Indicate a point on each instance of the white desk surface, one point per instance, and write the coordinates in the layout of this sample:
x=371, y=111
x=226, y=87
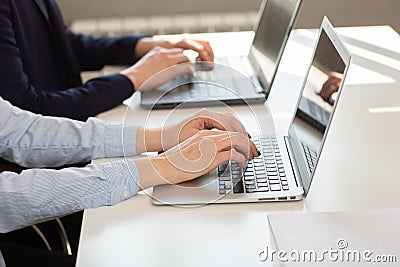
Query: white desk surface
x=137, y=233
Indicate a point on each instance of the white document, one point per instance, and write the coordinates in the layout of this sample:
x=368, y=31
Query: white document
x=359, y=238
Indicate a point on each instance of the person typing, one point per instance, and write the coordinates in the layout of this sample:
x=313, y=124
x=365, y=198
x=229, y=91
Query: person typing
x=32, y=140
x=41, y=61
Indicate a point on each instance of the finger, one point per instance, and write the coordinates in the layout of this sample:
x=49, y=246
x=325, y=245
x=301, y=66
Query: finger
x=182, y=68
x=175, y=50
x=204, y=51
x=233, y=124
x=236, y=141
x=222, y=121
x=328, y=90
x=208, y=48
x=253, y=149
x=232, y=155
x=178, y=58
x=337, y=81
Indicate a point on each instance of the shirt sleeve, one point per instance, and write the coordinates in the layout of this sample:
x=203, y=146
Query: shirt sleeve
x=2, y=263
x=94, y=53
x=32, y=140
x=37, y=195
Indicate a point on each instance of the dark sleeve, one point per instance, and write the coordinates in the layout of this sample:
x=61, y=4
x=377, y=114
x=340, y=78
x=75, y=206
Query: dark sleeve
x=93, y=97
x=94, y=53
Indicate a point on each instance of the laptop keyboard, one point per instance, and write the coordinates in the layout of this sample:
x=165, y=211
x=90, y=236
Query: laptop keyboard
x=319, y=112
x=311, y=156
x=262, y=174
x=214, y=83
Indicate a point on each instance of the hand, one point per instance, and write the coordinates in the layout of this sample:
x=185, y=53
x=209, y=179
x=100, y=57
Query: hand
x=162, y=139
x=203, y=48
x=194, y=157
x=150, y=71
x=331, y=85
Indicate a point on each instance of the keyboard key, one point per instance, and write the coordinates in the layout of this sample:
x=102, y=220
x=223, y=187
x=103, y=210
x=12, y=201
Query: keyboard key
x=251, y=186
x=222, y=192
x=262, y=180
x=236, y=172
x=262, y=184
x=261, y=176
x=285, y=187
x=224, y=178
x=223, y=166
x=249, y=178
x=262, y=189
x=238, y=188
x=275, y=187
x=249, y=182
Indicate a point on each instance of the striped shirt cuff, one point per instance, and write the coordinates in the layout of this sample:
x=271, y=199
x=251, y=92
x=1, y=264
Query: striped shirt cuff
x=120, y=140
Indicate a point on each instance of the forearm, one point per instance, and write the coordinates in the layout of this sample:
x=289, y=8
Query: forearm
x=38, y=195
x=93, y=53
x=31, y=140
x=148, y=140
x=81, y=102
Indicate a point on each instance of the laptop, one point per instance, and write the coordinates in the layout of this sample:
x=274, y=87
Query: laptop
x=234, y=79
x=284, y=170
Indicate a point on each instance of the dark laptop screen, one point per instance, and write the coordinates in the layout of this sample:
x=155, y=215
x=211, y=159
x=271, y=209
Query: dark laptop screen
x=271, y=35
x=323, y=81
x=316, y=103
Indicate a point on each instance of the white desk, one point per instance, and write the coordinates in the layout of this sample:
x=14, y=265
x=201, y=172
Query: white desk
x=137, y=233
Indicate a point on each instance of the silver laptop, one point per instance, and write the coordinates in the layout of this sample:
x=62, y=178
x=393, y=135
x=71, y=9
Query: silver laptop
x=234, y=79
x=284, y=170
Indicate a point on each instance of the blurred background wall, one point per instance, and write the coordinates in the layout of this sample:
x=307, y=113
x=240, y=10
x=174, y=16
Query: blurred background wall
x=341, y=12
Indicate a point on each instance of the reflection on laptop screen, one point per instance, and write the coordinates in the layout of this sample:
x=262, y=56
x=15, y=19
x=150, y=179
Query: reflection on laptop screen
x=316, y=104
x=323, y=81
x=271, y=35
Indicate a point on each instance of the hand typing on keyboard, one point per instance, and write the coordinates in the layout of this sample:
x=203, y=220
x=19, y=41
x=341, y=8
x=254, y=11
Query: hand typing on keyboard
x=205, y=119
x=161, y=61
x=192, y=149
x=203, y=48
x=157, y=67
x=196, y=156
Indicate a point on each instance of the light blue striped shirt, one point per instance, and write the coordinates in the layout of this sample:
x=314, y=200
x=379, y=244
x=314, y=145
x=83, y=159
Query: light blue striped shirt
x=37, y=141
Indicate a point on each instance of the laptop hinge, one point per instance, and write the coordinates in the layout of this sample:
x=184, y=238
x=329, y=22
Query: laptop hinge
x=293, y=162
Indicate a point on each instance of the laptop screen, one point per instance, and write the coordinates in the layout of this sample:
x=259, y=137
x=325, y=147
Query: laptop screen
x=274, y=24
x=321, y=87
x=316, y=104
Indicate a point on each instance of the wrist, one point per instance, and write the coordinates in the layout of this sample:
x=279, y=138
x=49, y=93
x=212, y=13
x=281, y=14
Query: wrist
x=148, y=140
x=133, y=76
x=150, y=171
x=143, y=46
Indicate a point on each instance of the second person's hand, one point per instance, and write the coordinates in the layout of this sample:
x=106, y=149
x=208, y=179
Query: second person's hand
x=202, y=47
x=157, y=67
